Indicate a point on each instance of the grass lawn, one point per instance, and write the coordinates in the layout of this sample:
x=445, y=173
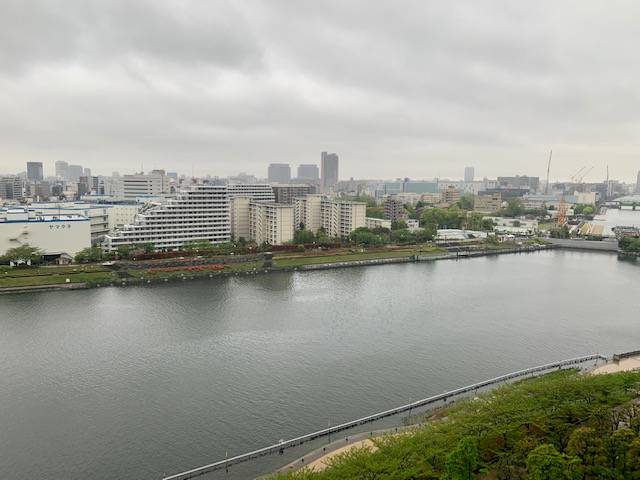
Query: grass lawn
x=289, y=261
x=53, y=278
x=240, y=267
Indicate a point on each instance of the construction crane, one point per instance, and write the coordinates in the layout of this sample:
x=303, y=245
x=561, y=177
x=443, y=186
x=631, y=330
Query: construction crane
x=548, y=170
x=563, y=207
x=579, y=179
x=573, y=177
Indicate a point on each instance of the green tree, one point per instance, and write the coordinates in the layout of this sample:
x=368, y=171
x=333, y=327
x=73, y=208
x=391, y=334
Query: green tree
x=514, y=208
x=546, y=463
x=488, y=224
x=398, y=225
x=89, y=254
x=586, y=445
x=22, y=254
x=466, y=201
x=633, y=460
x=365, y=236
x=202, y=244
x=462, y=461
x=401, y=236
x=629, y=244
x=123, y=251
x=588, y=210
x=412, y=211
x=376, y=211
x=616, y=448
x=303, y=236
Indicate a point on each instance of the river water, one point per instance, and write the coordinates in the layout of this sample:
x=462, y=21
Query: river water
x=141, y=382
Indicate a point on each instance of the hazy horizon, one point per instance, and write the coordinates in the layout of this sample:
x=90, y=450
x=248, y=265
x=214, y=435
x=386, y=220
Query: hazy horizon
x=409, y=89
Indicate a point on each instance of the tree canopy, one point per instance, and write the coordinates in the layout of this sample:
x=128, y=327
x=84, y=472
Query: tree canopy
x=563, y=425
x=22, y=254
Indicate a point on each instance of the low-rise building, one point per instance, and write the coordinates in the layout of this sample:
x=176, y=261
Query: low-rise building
x=53, y=234
x=372, y=223
x=515, y=226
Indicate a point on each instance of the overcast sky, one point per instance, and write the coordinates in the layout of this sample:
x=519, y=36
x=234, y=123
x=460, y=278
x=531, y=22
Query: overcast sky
x=415, y=89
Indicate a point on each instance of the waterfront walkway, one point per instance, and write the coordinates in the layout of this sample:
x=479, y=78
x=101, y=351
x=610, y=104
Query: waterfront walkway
x=435, y=400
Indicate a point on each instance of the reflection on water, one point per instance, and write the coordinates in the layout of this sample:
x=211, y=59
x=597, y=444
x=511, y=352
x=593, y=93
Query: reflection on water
x=139, y=382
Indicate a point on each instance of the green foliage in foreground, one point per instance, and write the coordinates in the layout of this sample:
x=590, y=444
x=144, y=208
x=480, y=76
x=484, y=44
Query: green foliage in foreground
x=564, y=425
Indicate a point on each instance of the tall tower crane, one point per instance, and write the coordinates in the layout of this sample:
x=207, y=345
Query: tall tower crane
x=548, y=170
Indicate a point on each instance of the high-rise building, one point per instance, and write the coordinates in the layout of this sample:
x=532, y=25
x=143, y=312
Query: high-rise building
x=87, y=172
x=74, y=172
x=62, y=169
x=34, y=171
x=469, y=174
x=308, y=172
x=279, y=173
x=12, y=188
x=329, y=171
x=638, y=183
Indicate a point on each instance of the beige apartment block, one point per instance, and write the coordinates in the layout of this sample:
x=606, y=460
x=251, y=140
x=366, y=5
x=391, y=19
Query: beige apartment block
x=271, y=223
x=240, y=218
x=487, y=203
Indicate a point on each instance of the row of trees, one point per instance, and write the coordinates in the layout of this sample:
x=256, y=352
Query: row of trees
x=21, y=255
x=564, y=426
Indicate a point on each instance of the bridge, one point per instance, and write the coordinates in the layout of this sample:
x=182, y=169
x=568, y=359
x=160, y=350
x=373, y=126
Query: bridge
x=443, y=397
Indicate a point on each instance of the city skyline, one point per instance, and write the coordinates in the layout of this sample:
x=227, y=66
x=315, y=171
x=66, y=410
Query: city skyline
x=410, y=90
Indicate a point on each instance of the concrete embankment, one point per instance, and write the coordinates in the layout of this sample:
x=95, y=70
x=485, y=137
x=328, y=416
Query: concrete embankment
x=127, y=280
x=601, y=246
x=33, y=288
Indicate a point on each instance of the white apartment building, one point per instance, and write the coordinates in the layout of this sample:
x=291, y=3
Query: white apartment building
x=271, y=223
x=259, y=192
x=53, y=234
x=199, y=212
x=121, y=214
x=141, y=184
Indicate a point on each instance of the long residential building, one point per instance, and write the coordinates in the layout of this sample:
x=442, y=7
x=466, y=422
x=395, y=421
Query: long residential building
x=200, y=212
x=259, y=192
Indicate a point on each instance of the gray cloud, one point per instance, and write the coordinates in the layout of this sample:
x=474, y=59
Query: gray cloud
x=417, y=89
